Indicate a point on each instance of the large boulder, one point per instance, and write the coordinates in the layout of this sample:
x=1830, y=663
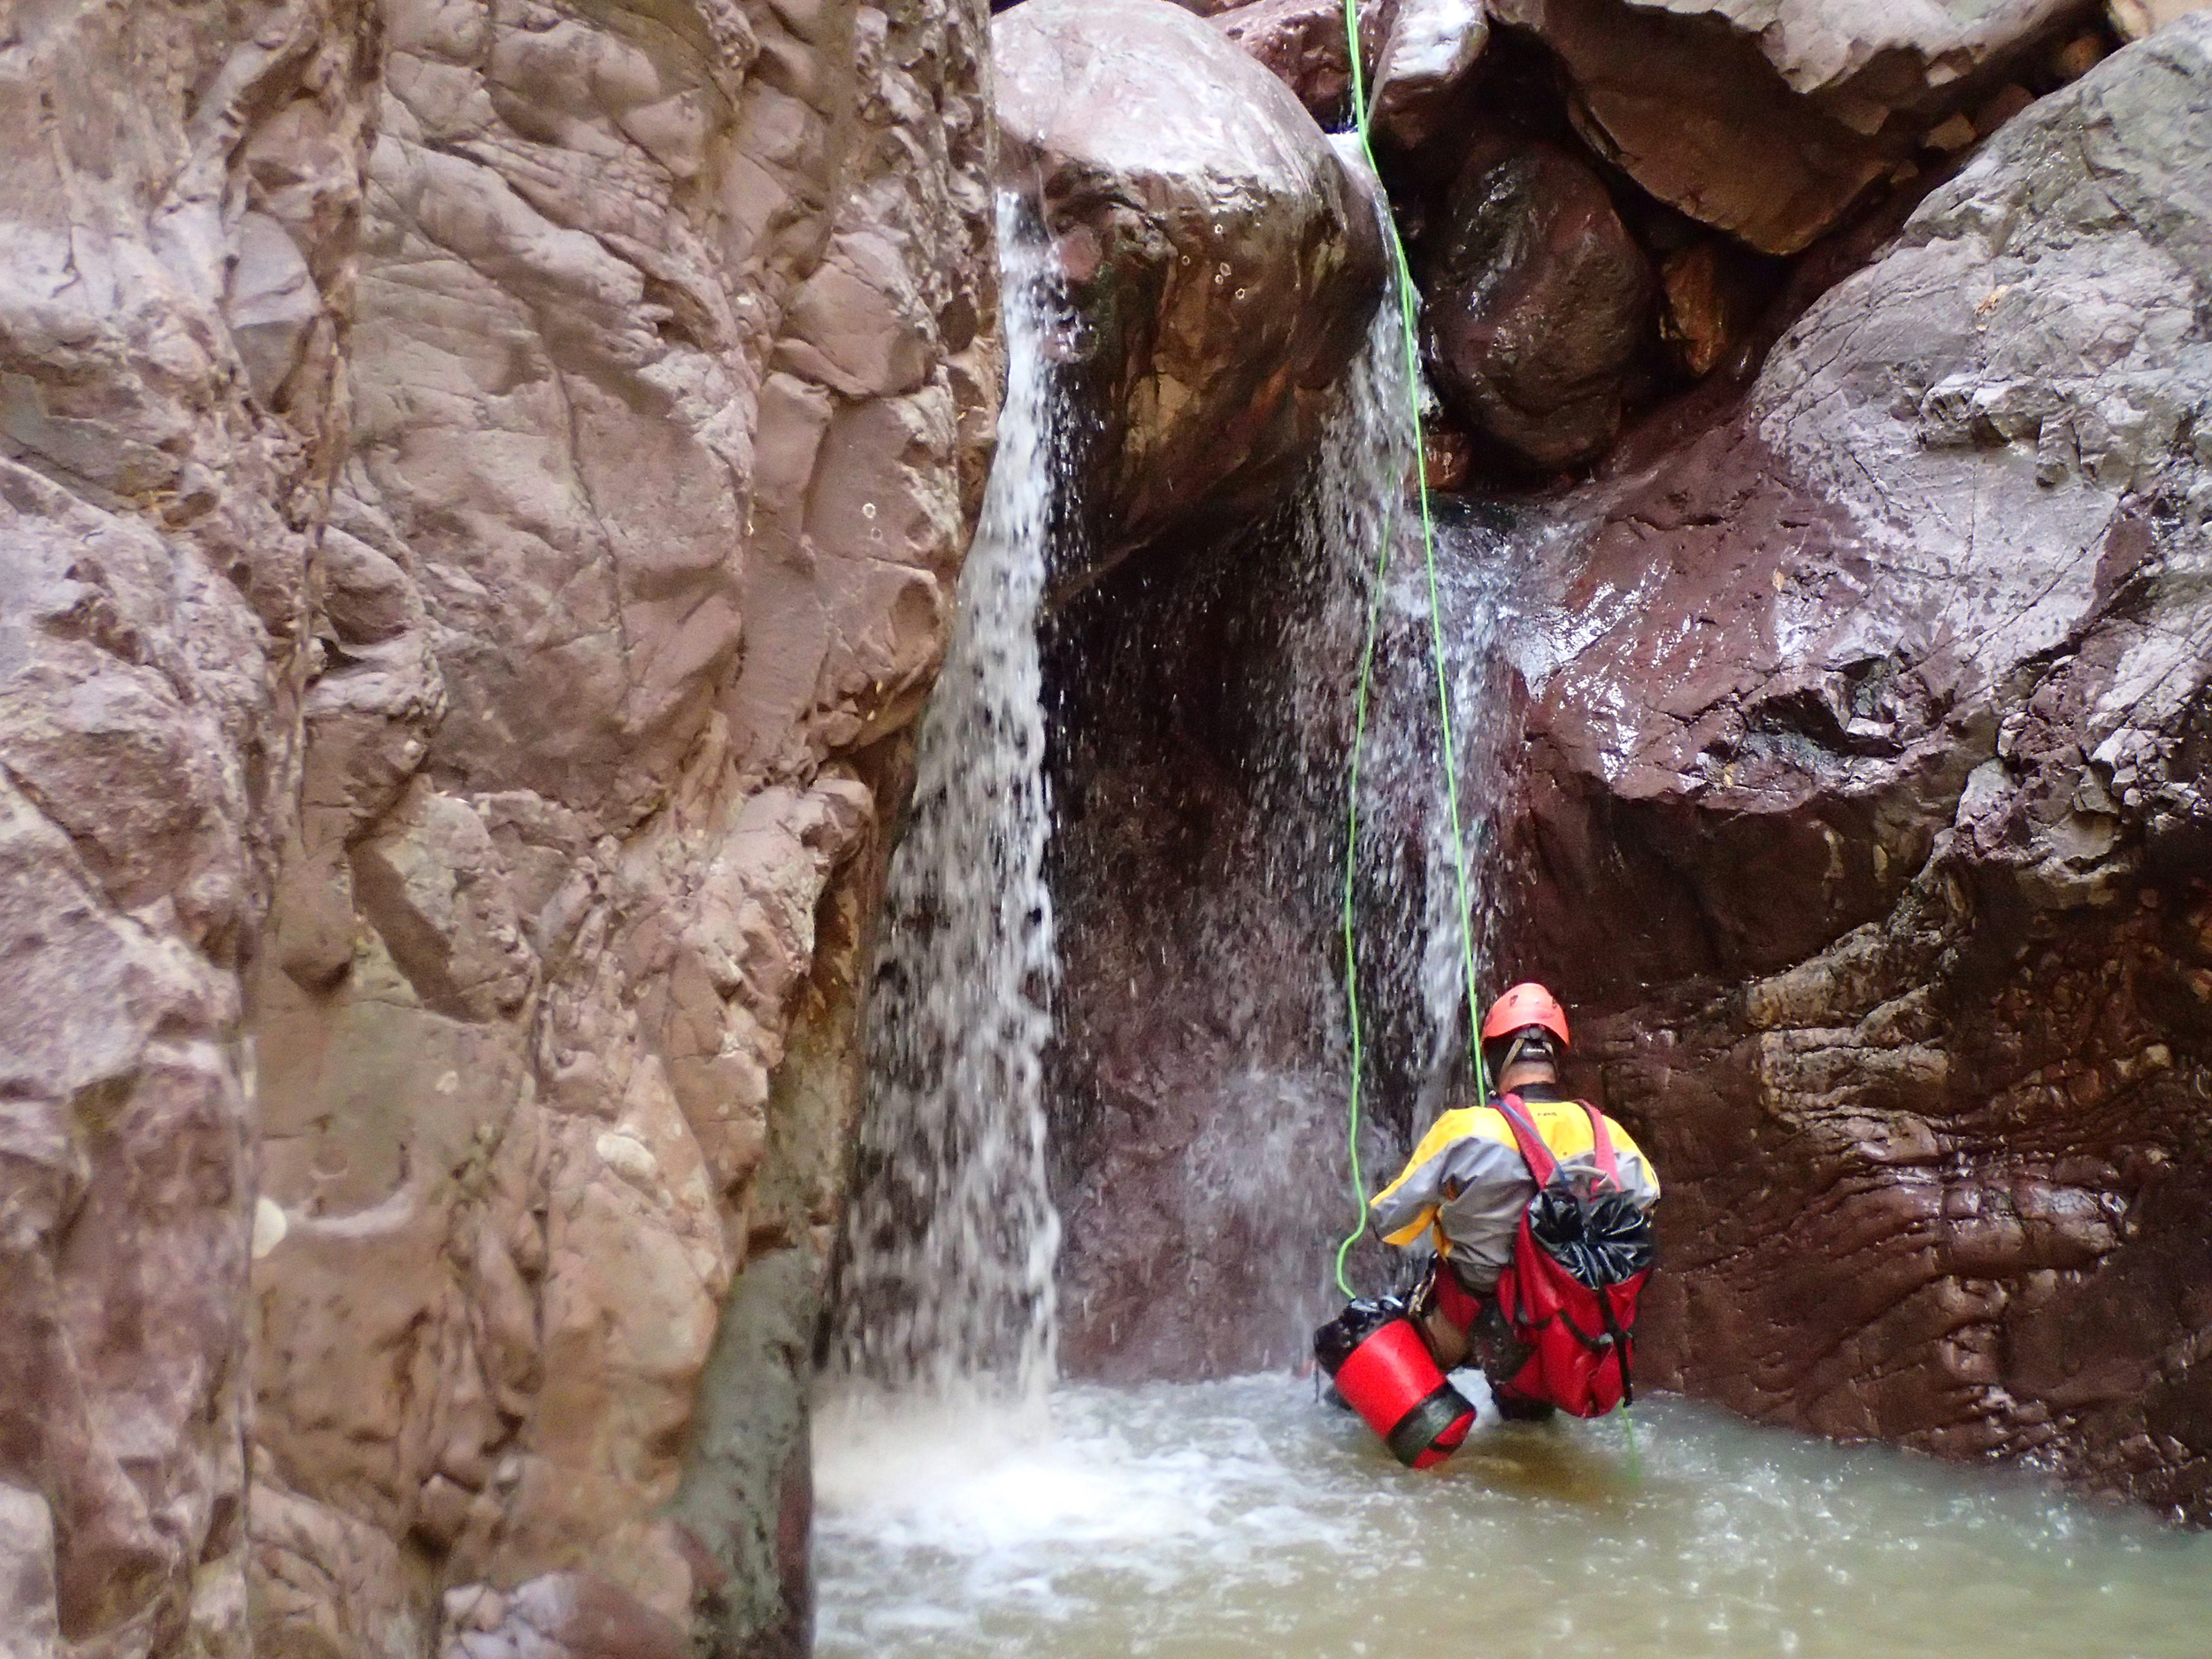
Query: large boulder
x=1870, y=821
x=1538, y=302
x=1770, y=120
x=1222, y=260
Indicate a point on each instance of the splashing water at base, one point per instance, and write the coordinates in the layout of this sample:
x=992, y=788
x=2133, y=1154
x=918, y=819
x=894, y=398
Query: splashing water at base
x=1207, y=1520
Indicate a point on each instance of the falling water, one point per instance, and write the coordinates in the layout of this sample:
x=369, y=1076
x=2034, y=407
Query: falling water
x=1411, y=912
x=1238, y=1518
x=945, y=1280
x=1473, y=581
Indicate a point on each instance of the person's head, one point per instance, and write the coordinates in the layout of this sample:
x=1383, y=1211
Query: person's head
x=1524, y=1036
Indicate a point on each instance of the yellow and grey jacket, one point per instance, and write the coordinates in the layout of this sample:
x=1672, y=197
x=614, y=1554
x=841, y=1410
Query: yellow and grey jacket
x=1466, y=1186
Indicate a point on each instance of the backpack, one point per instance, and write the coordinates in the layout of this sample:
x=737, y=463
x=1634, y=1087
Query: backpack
x=1568, y=1294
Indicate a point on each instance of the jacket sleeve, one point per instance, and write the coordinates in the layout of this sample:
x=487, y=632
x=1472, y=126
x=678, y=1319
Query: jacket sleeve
x=1406, y=1208
x=1637, y=1177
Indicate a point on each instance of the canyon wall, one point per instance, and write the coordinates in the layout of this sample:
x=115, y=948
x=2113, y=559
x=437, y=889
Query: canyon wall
x=1867, y=802
x=176, y=283
x=485, y=485
x=1861, y=643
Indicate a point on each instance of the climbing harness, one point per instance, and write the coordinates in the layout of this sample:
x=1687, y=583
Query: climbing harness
x=1401, y=281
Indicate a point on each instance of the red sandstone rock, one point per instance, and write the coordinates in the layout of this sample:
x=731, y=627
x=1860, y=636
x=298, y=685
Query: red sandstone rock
x=1869, y=822
x=1301, y=43
x=1537, y=302
x=447, y=734
x=173, y=302
x=1768, y=120
x=1708, y=306
x=665, y=450
x=1225, y=260
x=1431, y=46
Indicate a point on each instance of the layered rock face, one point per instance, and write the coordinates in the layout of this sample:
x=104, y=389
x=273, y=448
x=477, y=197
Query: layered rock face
x=484, y=487
x=672, y=377
x=1867, y=802
x=176, y=273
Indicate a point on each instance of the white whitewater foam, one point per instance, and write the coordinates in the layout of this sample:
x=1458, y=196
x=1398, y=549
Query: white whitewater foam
x=1241, y=1518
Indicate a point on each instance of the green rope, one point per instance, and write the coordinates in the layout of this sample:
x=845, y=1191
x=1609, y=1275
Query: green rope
x=1402, y=276
x=1351, y=865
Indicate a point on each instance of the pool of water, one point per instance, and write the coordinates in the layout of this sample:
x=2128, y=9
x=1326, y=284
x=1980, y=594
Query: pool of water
x=1207, y=1520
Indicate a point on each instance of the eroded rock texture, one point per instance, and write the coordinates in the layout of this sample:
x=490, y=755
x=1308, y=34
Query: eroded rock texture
x=1769, y=120
x=1868, y=794
x=176, y=275
x=672, y=378
x=482, y=485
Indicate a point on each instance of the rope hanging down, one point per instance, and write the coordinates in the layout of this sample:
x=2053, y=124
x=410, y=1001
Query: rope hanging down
x=1401, y=282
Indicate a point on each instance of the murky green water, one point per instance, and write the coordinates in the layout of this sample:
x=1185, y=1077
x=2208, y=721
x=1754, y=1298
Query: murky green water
x=1199, y=1522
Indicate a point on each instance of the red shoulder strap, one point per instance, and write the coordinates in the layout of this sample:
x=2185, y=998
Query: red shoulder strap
x=1601, y=1140
x=1535, y=1153
x=1538, y=1156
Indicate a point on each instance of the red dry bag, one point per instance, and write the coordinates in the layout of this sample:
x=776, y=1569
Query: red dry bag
x=1383, y=1368
x=1568, y=1295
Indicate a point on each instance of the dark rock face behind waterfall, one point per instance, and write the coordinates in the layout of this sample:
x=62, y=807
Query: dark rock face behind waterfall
x=1196, y=1105
x=1869, y=814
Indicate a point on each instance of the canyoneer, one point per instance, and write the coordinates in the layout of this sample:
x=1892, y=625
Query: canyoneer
x=1535, y=1208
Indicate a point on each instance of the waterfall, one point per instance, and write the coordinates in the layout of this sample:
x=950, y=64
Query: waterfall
x=944, y=1281
x=1408, y=905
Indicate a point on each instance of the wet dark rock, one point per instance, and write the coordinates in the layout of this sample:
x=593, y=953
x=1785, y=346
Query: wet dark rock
x=1538, y=300
x=1301, y=43
x=1869, y=826
x=1223, y=260
x=1430, y=47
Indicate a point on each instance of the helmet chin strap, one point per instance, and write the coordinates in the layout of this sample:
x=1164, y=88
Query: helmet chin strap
x=1531, y=1043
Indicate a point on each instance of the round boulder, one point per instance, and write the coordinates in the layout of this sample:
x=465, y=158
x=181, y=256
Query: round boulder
x=1538, y=302
x=1223, y=261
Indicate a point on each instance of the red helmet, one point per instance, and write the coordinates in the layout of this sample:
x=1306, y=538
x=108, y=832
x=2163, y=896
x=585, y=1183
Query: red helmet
x=1527, y=1003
